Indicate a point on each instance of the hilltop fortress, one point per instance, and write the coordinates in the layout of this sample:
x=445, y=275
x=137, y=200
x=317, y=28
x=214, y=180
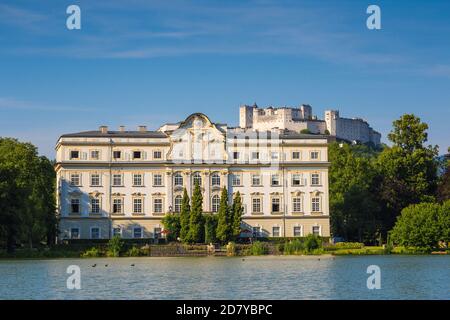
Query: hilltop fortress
x=301, y=118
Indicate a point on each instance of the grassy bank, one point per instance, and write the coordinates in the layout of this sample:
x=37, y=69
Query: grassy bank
x=116, y=248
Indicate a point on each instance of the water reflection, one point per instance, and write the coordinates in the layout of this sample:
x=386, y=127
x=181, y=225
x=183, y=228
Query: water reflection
x=403, y=277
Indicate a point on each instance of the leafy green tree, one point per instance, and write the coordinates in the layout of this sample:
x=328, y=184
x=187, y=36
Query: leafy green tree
x=27, y=200
x=444, y=222
x=419, y=226
x=210, y=227
x=237, y=212
x=196, y=224
x=172, y=224
x=224, y=224
x=408, y=170
x=185, y=216
x=354, y=210
x=443, y=190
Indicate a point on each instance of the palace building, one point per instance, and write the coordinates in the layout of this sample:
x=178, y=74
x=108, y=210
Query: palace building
x=123, y=182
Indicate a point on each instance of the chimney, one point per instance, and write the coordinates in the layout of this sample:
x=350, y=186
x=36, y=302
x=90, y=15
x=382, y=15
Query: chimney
x=122, y=128
x=103, y=129
x=142, y=128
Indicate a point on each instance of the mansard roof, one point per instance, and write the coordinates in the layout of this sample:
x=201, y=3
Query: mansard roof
x=115, y=134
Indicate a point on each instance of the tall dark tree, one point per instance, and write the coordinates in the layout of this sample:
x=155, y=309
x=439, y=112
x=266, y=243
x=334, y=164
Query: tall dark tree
x=443, y=189
x=408, y=170
x=210, y=227
x=196, y=232
x=185, y=215
x=237, y=212
x=224, y=223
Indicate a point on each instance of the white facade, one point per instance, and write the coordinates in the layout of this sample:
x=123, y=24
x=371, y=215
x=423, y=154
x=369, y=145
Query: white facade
x=298, y=119
x=124, y=182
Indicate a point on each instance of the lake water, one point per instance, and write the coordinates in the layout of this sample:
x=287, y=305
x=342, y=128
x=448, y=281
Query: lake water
x=266, y=277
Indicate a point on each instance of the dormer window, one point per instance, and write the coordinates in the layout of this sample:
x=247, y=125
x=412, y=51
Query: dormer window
x=137, y=154
x=157, y=154
x=74, y=154
x=117, y=154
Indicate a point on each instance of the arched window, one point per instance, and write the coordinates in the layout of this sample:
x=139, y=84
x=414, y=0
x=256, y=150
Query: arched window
x=197, y=179
x=178, y=179
x=177, y=203
x=215, y=179
x=215, y=203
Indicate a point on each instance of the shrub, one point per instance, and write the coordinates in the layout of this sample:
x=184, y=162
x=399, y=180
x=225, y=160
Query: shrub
x=91, y=253
x=114, y=247
x=294, y=247
x=312, y=242
x=258, y=248
x=133, y=252
x=421, y=225
x=172, y=224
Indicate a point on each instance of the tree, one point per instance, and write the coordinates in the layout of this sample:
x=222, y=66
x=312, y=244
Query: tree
x=224, y=223
x=237, y=212
x=421, y=225
x=443, y=189
x=305, y=131
x=172, y=225
x=354, y=210
x=210, y=227
x=27, y=200
x=408, y=170
x=196, y=224
x=185, y=216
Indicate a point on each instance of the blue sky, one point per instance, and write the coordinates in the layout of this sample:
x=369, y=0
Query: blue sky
x=149, y=62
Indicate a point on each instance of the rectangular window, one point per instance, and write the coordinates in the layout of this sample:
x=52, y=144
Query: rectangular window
x=157, y=155
x=297, y=204
x=274, y=155
x=74, y=233
x=117, y=205
x=256, y=205
x=75, y=179
x=315, y=204
x=95, y=154
x=137, y=180
x=314, y=155
x=276, y=205
x=117, y=180
x=157, y=180
x=296, y=155
x=296, y=179
x=137, y=232
x=275, y=231
x=117, y=154
x=95, y=180
x=75, y=205
x=315, y=179
x=74, y=154
x=236, y=180
x=137, y=205
x=255, y=155
x=137, y=154
x=297, y=231
x=157, y=233
x=157, y=205
x=95, y=233
x=235, y=155
x=256, y=180
x=117, y=232
x=275, y=180
x=95, y=205
x=316, y=230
